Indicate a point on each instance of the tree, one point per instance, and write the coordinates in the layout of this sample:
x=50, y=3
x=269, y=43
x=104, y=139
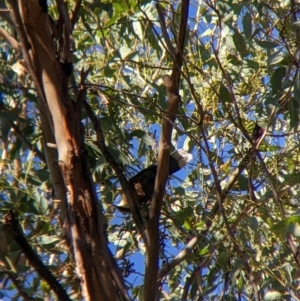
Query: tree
x=91, y=93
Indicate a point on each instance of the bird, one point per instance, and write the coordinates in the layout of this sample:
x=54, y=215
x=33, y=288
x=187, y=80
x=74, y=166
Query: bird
x=143, y=182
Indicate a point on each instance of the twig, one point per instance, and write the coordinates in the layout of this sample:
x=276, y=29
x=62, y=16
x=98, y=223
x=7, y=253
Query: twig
x=75, y=13
x=14, y=229
x=11, y=40
x=188, y=283
x=33, y=148
x=19, y=287
x=164, y=31
x=116, y=167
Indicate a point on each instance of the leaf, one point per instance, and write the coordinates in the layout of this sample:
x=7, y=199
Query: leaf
x=296, y=24
x=225, y=94
x=292, y=179
x=267, y=44
x=11, y=116
x=293, y=112
x=205, y=54
x=40, y=203
x=276, y=58
x=240, y=43
x=118, y=155
x=204, y=251
x=49, y=239
x=233, y=59
x=247, y=25
x=37, y=177
x=252, y=64
x=272, y=295
x=243, y=182
x=276, y=79
x=143, y=136
x=253, y=223
x=125, y=52
x=179, y=191
x=187, y=225
x=290, y=225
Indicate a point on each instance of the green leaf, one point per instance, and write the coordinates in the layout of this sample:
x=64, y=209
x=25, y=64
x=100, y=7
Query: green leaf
x=296, y=24
x=292, y=179
x=145, y=138
x=11, y=116
x=40, y=204
x=204, y=251
x=240, y=43
x=49, y=239
x=225, y=94
x=290, y=225
x=125, y=52
x=276, y=79
x=276, y=58
x=293, y=112
x=253, y=223
x=187, y=225
x=247, y=25
x=267, y=44
x=243, y=182
x=179, y=191
x=39, y=176
x=233, y=59
x=272, y=295
x=252, y=64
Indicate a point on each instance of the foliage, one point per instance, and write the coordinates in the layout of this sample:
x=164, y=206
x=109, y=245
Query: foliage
x=240, y=65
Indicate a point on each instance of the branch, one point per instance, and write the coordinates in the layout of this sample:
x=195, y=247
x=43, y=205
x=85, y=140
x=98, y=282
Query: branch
x=22, y=291
x=193, y=243
x=12, y=226
x=11, y=40
x=75, y=13
x=6, y=15
x=33, y=148
x=276, y=197
x=188, y=282
x=26, y=50
x=134, y=209
x=152, y=225
x=164, y=31
x=179, y=257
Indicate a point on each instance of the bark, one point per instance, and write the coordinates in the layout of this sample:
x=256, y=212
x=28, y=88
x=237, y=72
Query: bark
x=61, y=123
x=152, y=226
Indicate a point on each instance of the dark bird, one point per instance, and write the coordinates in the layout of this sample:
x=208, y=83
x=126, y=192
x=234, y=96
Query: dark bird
x=143, y=182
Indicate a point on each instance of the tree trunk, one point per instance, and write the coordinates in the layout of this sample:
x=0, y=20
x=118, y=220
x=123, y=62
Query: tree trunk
x=82, y=219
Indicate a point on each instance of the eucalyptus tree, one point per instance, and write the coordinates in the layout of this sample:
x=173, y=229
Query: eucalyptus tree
x=92, y=93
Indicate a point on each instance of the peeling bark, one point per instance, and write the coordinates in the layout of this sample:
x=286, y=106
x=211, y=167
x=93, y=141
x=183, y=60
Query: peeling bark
x=84, y=222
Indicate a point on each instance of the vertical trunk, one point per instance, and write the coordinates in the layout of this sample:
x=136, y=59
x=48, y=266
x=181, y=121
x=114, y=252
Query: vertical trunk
x=95, y=266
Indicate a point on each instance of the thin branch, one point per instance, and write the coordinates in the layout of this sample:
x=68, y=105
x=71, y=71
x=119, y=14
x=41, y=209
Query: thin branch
x=11, y=40
x=22, y=34
x=164, y=31
x=188, y=283
x=290, y=241
x=116, y=167
x=12, y=226
x=33, y=148
x=180, y=257
x=6, y=15
x=75, y=13
x=15, y=280
x=63, y=11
